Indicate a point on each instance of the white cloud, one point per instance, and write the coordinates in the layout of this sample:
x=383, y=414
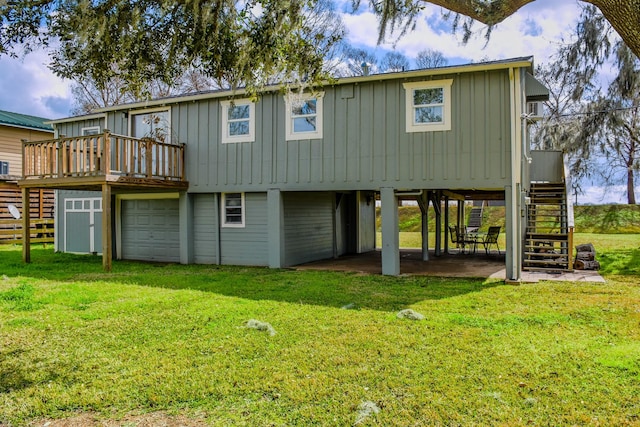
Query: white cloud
x=29, y=87
x=535, y=30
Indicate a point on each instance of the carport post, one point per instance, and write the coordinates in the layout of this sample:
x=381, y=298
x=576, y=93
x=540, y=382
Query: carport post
x=106, y=227
x=390, y=232
x=423, y=202
x=446, y=224
x=275, y=228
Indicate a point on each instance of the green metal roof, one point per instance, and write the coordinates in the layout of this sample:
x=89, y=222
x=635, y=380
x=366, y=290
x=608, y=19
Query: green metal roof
x=8, y=118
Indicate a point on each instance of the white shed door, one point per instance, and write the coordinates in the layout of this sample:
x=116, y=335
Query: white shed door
x=150, y=230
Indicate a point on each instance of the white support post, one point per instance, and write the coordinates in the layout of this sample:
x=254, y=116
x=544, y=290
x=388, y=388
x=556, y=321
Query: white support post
x=275, y=225
x=390, y=232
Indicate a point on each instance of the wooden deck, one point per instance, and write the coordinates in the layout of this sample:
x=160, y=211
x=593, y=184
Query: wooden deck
x=104, y=162
x=88, y=162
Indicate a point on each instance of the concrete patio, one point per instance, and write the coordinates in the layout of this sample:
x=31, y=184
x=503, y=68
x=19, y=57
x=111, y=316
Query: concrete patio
x=452, y=264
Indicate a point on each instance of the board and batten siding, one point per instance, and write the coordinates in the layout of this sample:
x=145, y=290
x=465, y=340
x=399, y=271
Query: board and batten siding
x=365, y=144
x=205, y=229
x=308, y=226
x=74, y=128
x=247, y=245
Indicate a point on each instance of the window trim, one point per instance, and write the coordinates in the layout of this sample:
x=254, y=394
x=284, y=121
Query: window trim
x=223, y=211
x=132, y=113
x=229, y=139
x=96, y=130
x=290, y=135
x=445, y=125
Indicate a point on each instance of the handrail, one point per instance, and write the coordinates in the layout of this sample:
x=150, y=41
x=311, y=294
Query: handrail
x=102, y=154
x=570, y=218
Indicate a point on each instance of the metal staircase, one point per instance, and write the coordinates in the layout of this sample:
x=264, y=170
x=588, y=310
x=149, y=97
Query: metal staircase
x=475, y=217
x=547, y=236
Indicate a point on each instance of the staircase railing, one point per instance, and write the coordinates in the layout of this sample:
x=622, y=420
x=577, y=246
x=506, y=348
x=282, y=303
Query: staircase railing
x=568, y=186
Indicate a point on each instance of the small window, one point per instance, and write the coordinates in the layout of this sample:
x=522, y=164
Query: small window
x=233, y=209
x=304, y=117
x=238, y=121
x=428, y=106
x=93, y=130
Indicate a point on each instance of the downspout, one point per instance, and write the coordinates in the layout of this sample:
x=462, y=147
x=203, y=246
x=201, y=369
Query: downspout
x=516, y=171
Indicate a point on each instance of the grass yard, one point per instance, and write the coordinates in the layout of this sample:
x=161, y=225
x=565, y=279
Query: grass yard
x=153, y=339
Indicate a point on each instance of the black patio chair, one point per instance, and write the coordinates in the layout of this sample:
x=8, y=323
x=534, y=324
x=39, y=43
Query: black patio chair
x=491, y=238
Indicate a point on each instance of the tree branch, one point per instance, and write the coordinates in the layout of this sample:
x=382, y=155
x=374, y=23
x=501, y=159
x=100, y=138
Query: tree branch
x=490, y=13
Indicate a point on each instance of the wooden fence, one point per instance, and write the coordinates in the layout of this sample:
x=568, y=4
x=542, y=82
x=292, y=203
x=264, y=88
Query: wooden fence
x=42, y=231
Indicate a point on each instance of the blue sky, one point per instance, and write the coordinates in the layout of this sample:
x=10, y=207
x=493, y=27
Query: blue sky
x=28, y=86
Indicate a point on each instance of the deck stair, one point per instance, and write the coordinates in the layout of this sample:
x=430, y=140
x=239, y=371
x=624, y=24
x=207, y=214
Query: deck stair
x=475, y=217
x=547, y=234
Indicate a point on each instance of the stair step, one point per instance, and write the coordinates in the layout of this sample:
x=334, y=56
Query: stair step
x=543, y=254
x=545, y=269
x=545, y=261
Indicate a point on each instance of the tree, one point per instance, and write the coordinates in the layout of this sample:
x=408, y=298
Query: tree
x=588, y=124
x=88, y=95
x=612, y=122
x=394, y=61
x=240, y=42
x=429, y=58
x=624, y=15
x=353, y=60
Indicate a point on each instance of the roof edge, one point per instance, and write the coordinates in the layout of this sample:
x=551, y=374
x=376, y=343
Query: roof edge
x=520, y=62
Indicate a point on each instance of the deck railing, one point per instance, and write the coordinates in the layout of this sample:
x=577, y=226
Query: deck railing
x=100, y=155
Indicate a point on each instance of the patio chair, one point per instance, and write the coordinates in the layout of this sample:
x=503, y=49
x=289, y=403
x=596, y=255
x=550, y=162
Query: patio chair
x=491, y=238
x=462, y=238
x=455, y=235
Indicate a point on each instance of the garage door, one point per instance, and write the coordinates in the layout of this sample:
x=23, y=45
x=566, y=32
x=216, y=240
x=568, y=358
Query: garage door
x=150, y=230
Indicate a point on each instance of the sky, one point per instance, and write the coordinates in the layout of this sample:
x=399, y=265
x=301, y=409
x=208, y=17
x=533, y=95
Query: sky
x=28, y=86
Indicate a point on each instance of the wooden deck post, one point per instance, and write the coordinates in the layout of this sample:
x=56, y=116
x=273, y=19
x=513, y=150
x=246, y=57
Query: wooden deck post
x=106, y=227
x=26, y=226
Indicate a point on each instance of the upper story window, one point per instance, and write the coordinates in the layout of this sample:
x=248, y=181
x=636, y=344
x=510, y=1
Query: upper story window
x=232, y=209
x=93, y=130
x=150, y=124
x=303, y=117
x=238, y=121
x=428, y=105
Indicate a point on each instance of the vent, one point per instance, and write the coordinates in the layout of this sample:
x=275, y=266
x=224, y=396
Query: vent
x=534, y=110
x=4, y=168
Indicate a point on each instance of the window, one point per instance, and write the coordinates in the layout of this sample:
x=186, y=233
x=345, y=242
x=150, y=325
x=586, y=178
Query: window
x=428, y=105
x=93, y=130
x=233, y=209
x=4, y=168
x=150, y=124
x=304, y=117
x=238, y=121
x=154, y=124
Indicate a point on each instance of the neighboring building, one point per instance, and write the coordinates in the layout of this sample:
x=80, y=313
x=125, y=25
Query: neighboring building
x=294, y=178
x=14, y=128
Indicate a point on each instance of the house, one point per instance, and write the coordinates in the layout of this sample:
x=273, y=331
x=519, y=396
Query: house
x=14, y=128
x=286, y=179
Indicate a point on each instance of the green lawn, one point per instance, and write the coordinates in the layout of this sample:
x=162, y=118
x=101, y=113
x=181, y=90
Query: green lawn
x=173, y=339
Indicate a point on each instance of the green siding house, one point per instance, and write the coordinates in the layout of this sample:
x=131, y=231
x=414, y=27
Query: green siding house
x=288, y=179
